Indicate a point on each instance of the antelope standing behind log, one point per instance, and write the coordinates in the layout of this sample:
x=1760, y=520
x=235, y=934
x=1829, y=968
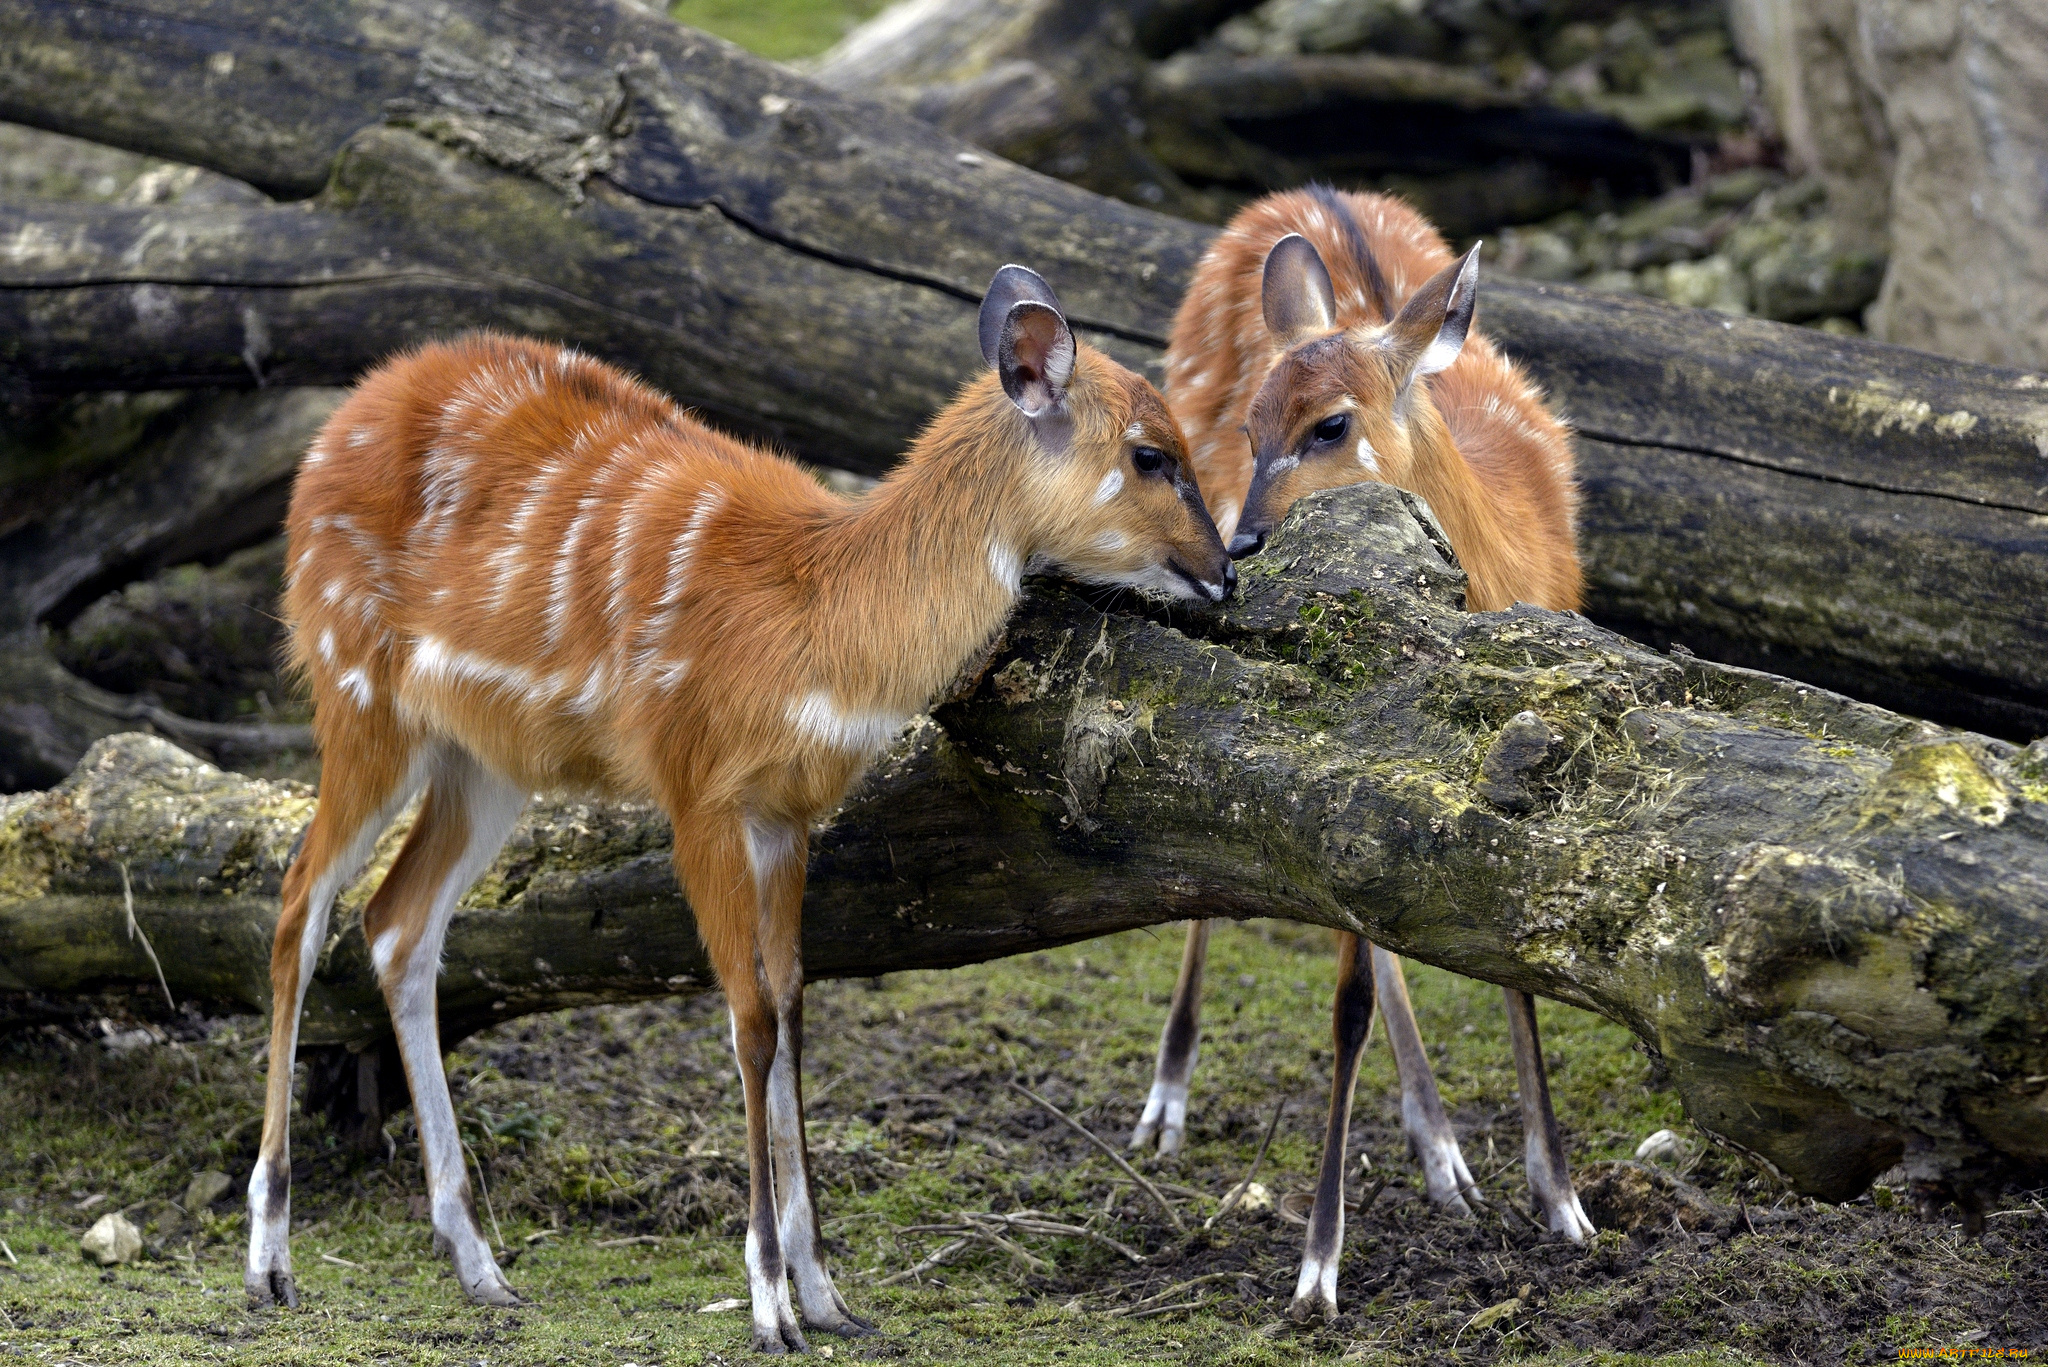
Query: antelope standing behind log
x=1290, y=371
x=513, y=568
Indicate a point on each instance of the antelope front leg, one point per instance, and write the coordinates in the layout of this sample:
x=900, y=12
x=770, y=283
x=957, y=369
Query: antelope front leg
x=1435, y=1145
x=719, y=858
x=1166, y=1109
x=1550, y=1177
x=778, y=862
x=1315, y=1293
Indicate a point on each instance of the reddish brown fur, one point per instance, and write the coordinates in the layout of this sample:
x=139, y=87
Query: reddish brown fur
x=513, y=568
x=1493, y=462
x=1477, y=442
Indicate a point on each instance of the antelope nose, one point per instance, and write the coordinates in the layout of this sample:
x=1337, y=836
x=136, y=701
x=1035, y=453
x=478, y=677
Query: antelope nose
x=1229, y=579
x=1247, y=543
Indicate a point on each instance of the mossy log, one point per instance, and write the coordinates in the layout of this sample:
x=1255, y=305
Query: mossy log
x=804, y=267
x=1830, y=921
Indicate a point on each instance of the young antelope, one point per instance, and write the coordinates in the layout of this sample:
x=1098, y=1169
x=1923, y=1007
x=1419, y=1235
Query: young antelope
x=1292, y=369
x=514, y=568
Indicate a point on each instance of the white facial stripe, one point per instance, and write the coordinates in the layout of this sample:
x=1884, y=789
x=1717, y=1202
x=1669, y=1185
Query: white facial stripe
x=817, y=717
x=1135, y=432
x=1003, y=564
x=1112, y=484
x=1368, y=457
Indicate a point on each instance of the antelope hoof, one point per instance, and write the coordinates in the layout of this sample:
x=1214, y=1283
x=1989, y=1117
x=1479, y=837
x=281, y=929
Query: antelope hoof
x=847, y=1326
x=273, y=1287
x=493, y=1289
x=1165, y=1119
x=1568, y=1217
x=1312, y=1307
x=784, y=1338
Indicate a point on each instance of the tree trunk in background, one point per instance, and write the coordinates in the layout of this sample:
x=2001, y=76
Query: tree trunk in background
x=1929, y=116
x=1825, y=918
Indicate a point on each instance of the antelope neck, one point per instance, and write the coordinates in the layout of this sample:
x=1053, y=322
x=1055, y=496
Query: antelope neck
x=1461, y=501
x=919, y=574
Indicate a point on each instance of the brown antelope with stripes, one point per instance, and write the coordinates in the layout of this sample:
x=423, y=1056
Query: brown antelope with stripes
x=1327, y=339
x=514, y=568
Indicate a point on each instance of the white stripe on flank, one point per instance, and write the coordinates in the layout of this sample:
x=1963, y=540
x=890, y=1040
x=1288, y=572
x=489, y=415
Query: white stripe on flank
x=1004, y=565
x=565, y=570
x=1112, y=484
x=433, y=662
x=596, y=689
x=357, y=684
x=818, y=718
x=685, y=548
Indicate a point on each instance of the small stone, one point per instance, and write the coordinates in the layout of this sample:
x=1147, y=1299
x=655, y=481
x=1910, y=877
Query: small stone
x=1662, y=1147
x=112, y=1240
x=204, y=1189
x=1257, y=1196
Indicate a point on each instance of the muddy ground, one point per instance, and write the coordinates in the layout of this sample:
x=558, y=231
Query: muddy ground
x=622, y=1124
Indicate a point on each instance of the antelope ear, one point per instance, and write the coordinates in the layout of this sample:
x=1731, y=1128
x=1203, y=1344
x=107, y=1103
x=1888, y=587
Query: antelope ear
x=1430, y=330
x=1011, y=285
x=1295, y=293
x=1035, y=357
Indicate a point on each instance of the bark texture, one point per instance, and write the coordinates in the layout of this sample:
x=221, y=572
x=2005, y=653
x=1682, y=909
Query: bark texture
x=1830, y=921
x=804, y=268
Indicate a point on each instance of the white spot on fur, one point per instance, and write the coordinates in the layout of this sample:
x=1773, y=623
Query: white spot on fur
x=1109, y=543
x=596, y=689
x=357, y=684
x=433, y=662
x=770, y=845
x=327, y=645
x=816, y=717
x=1112, y=485
x=1007, y=569
x=380, y=952
x=1135, y=432
x=361, y=437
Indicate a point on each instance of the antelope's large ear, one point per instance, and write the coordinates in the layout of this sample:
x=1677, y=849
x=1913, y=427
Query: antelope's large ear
x=1430, y=330
x=1035, y=357
x=1295, y=293
x=1011, y=286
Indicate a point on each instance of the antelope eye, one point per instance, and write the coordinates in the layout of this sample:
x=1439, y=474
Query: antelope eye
x=1332, y=428
x=1148, y=459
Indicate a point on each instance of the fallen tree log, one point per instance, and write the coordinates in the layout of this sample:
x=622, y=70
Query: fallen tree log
x=1830, y=921
x=216, y=482
x=804, y=267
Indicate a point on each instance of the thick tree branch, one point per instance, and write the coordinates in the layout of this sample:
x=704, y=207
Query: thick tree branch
x=804, y=267
x=1826, y=918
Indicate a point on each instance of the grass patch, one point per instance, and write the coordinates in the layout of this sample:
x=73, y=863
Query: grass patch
x=623, y=1123
x=783, y=30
